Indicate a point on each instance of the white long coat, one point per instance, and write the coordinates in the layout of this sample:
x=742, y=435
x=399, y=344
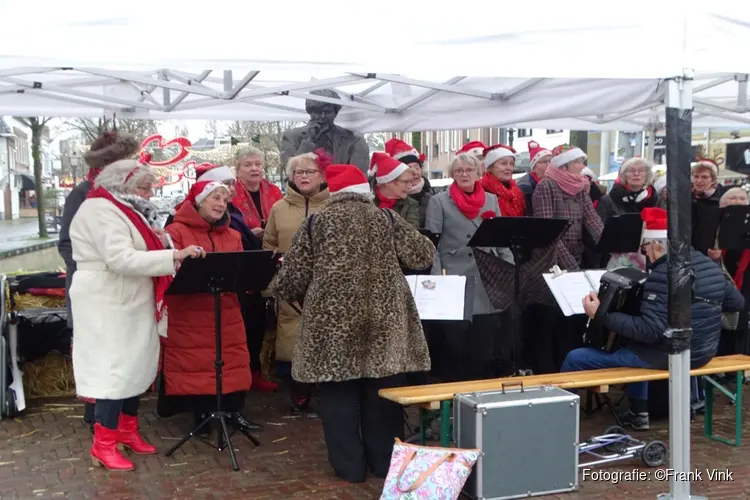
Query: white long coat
x=115, y=339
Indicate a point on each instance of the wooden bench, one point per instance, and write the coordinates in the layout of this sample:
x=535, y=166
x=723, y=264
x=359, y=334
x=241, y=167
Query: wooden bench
x=438, y=397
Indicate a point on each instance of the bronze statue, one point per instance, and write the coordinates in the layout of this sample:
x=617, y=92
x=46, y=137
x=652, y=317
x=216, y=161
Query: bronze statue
x=344, y=146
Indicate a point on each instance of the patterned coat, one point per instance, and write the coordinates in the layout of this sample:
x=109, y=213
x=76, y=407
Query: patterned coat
x=359, y=319
x=551, y=201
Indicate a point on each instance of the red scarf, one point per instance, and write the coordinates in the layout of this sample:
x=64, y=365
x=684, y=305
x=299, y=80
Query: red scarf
x=93, y=173
x=384, y=202
x=511, y=200
x=468, y=203
x=567, y=181
x=243, y=200
x=535, y=177
x=742, y=265
x=161, y=283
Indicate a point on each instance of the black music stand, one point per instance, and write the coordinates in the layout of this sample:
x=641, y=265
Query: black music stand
x=622, y=234
x=223, y=272
x=521, y=235
x=705, y=224
x=734, y=228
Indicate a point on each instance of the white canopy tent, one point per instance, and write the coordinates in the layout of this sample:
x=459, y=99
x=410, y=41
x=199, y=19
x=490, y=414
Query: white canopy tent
x=577, y=66
x=398, y=65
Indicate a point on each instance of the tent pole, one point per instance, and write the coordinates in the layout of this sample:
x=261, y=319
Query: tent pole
x=678, y=142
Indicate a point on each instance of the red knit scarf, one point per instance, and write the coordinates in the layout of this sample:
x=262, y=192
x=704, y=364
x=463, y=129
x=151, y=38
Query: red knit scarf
x=93, y=173
x=384, y=202
x=161, y=283
x=511, y=200
x=468, y=204
x=243, y=200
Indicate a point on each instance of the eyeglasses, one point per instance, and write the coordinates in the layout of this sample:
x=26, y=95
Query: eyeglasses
x=464, y=171
x=306, y=173
x=632, y=170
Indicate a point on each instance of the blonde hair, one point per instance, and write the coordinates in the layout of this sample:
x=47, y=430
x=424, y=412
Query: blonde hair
x=117, y=176
x=296, y=161
x=733, y=191
x=246, y=151
x=466, y=159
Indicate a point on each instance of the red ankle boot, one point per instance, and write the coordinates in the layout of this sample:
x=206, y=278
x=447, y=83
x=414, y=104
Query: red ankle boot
x=262, y=384
x=104, y=452
x=128, y=436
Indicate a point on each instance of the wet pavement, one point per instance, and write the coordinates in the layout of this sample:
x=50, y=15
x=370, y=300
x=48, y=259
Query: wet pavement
x=44, y=454
x=20, y=233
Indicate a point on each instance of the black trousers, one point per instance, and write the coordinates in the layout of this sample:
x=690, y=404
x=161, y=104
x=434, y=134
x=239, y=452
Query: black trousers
x=549, y=336
x=475, y=350
x=359, y=426
x=107, y=411
x=254, y=316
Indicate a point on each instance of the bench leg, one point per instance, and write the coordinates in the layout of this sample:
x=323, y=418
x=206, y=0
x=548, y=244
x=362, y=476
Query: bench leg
x=445, y=423
x=424, y=419
x=709, y=384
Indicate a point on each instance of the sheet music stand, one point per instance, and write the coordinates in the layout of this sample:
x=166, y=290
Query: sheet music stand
x=521, y=235
x=706, y=220
x=223, y=272
x=622, y=234
x=434, y=237
x=734, y=228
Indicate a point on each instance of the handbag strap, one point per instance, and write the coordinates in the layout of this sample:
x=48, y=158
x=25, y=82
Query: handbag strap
x=423, y=477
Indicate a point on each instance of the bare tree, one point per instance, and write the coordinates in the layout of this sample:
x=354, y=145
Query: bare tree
x=37, y=126
x=267, y=137
x=91, y=128
x=376, y=141
x=213, y=129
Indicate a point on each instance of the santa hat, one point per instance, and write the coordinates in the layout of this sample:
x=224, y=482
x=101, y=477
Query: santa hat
x=202, y=189
x=215, y=173
x=536, y=153
x=494, y=153
x=564, y=154
x=654, y=224
x=399, y=150
x=706, y=163
x=346, y=179
x=475, y=148
x=590, y=174
x=385, y=169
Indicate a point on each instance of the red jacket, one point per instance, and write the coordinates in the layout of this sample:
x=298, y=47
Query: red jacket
x=188, y=352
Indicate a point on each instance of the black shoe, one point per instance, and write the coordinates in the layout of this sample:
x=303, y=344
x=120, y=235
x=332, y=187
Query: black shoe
x=242, y=422
x=638, y=422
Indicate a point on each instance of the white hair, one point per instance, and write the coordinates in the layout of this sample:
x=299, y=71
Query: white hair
x=465, y=159
x=116, y=177
x=299, y=160
x=246, y=151
x=637, y=162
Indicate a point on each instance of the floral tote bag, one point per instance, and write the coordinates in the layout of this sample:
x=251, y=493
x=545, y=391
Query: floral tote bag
x=427, y=473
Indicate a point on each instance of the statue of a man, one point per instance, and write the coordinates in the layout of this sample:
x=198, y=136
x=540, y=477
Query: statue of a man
x=344, y=146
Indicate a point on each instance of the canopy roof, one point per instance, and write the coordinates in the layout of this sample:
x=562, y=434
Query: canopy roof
x=394, y=63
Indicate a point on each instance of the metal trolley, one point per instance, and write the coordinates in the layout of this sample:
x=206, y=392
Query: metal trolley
x=616, y=445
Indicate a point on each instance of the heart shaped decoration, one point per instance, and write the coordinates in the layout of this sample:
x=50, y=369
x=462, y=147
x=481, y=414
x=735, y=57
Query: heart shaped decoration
x=170, y=152
x=190, y=168
x=168, y=181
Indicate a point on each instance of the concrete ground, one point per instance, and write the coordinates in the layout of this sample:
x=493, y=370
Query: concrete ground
x=44, y=454
x=20, y=233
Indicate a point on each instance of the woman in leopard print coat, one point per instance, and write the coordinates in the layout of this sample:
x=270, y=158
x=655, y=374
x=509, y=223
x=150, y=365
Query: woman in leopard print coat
x=360, y=329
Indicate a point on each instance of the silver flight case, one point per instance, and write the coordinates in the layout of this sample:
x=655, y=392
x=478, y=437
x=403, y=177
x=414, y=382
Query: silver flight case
x=528, y=438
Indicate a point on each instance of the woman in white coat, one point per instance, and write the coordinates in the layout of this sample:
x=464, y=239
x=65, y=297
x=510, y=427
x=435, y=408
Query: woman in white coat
x=117, y=295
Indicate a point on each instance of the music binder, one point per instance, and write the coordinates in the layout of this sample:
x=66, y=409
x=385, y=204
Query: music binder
x=569, y=288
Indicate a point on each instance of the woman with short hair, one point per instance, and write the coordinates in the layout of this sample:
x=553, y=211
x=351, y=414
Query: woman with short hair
x=117, y=296
x=393, y=180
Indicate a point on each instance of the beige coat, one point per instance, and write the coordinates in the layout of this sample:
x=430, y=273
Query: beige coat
x=286, y=216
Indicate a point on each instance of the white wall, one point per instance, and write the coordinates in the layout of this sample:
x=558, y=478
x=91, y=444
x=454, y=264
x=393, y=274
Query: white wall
x=547, y=141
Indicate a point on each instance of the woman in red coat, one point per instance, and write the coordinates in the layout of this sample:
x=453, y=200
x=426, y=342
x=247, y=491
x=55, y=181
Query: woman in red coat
x=189, y=350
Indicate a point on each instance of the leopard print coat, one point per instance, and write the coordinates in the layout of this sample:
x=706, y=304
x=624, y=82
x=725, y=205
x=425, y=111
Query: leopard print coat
x=359, y=319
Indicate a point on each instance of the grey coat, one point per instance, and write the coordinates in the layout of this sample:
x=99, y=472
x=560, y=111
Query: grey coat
x=348, y=147
x=72, y=203
x=444, y=218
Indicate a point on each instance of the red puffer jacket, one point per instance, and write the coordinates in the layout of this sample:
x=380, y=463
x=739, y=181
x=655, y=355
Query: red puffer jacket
x=188, y=352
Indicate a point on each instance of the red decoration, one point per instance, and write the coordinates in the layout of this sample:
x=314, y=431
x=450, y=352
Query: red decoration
x=145, y=158
x=323, y=159
x=196, y=168
x=488, y=214
x=180, y=146
x=163, y=181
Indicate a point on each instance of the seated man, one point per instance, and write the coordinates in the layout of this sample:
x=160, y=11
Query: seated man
x=643, y=334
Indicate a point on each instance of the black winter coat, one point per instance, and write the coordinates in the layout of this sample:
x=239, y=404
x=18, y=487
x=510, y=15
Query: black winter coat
x=645, y=332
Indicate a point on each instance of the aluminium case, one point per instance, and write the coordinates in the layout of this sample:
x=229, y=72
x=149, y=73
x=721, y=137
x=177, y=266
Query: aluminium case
x=528, y=438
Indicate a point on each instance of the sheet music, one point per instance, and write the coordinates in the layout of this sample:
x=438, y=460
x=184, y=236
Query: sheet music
x=570, y=288
x=438, y=297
